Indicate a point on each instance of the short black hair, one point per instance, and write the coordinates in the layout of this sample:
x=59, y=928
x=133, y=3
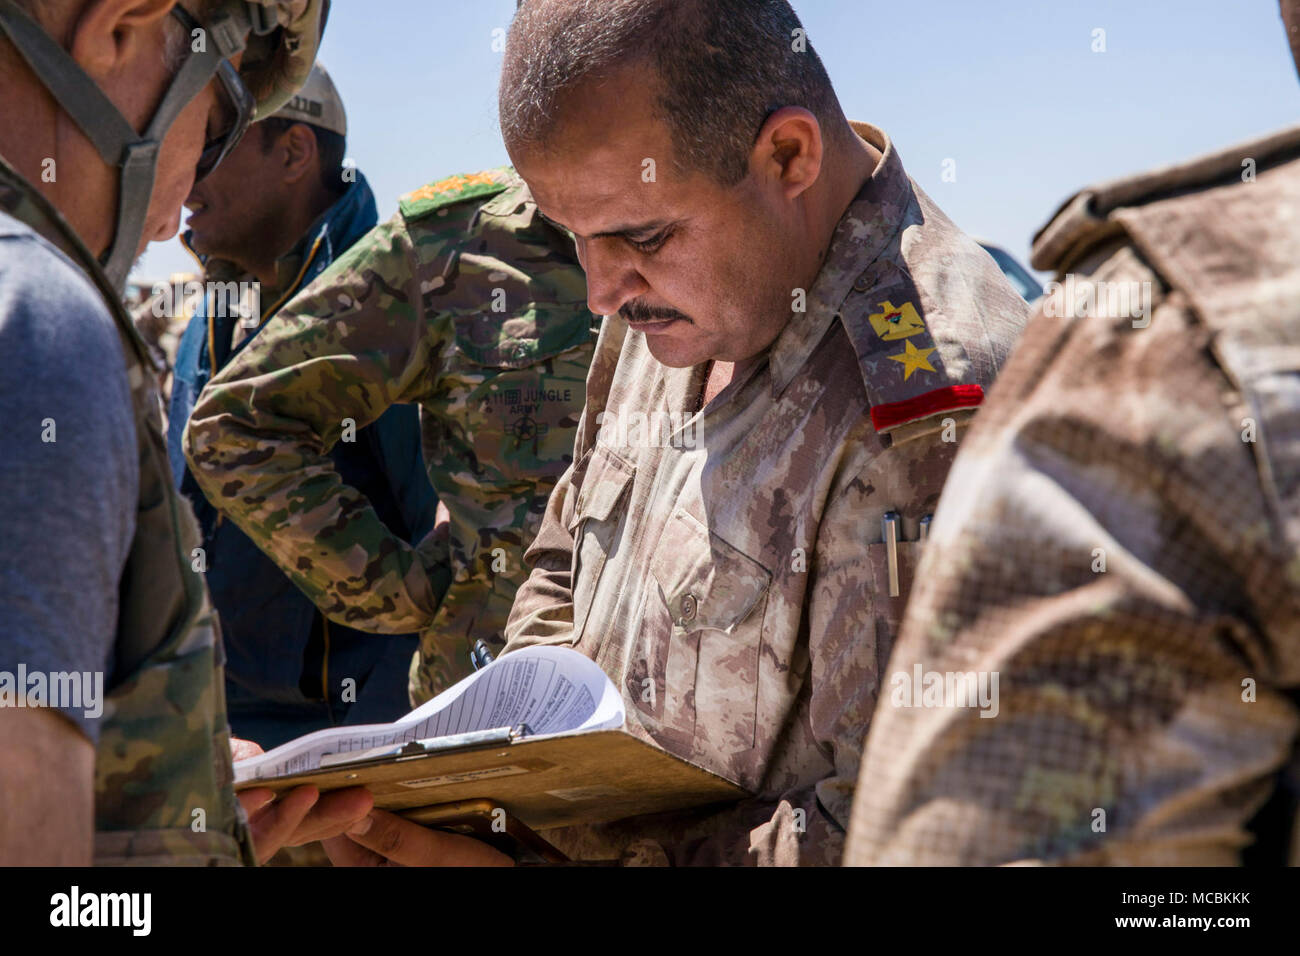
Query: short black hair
x=724, y=67
x=330, y=145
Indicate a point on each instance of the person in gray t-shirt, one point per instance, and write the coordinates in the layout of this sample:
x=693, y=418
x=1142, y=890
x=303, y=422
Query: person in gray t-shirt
x=69, y=473
x=106, y=122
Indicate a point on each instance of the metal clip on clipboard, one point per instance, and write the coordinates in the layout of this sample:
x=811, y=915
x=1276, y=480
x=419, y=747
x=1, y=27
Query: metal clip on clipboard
x=415, y=749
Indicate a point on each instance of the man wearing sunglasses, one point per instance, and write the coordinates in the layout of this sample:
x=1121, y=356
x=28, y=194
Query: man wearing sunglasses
x=279, y=210
x=113, y=737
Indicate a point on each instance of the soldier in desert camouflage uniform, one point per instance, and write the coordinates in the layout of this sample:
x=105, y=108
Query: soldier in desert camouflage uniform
x=467, y=304
x=1147, y=707
x=766, y=388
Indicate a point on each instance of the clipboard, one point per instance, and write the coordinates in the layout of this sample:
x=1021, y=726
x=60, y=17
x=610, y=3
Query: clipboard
x=544, y=782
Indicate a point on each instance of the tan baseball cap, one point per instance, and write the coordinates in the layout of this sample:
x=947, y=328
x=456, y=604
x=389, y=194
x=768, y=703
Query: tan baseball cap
x=286, y=34
x=318, y=104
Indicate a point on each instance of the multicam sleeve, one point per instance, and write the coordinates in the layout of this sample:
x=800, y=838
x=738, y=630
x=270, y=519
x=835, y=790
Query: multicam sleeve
x=543, y=605
x=353, y=343
x=543, y=608
x=1103, y=563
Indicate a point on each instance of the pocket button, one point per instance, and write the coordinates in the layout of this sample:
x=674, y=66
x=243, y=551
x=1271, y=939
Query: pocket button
x=689, y=607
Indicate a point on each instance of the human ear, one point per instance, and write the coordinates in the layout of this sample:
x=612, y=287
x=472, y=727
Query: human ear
x=110, y=35
x=789, y=150
x=300, y=152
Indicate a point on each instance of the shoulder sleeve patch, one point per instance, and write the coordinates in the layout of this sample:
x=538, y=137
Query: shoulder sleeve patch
x=454, y=189
x=910, y=374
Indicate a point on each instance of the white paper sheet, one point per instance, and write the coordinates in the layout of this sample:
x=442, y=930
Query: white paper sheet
x=551, y=689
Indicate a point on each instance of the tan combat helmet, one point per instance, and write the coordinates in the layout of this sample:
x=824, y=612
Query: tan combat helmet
x=317, y=104
x=279, y=40
x=282, y=49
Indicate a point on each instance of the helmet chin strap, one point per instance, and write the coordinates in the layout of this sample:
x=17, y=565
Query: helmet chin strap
x=135, y=155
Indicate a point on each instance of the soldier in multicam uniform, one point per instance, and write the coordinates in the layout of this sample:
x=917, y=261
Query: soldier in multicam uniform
x=96, y=576
x=1120, y=544
x=793, y=328
x=467, y=304
x=278, y=212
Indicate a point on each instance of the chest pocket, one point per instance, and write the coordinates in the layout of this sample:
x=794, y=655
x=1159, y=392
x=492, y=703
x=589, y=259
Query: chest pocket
x=493, y=340
x=518, y=384
x=598, y=511
x=888, y=609
x=694, y=677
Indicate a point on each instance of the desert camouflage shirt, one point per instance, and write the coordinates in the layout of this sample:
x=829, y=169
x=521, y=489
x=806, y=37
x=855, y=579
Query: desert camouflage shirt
x=726, y=567
x=466, y=303
x=1119, y=546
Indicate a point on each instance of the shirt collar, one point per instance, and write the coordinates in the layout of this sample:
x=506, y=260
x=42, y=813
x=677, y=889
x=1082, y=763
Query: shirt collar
x=865, y=230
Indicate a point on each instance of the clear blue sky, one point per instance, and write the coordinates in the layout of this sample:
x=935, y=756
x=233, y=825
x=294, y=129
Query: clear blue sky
x=1009, y=89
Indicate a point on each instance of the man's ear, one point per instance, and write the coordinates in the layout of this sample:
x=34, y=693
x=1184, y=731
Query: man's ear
x=108, y=34
x=298, y=151
x=789, y=150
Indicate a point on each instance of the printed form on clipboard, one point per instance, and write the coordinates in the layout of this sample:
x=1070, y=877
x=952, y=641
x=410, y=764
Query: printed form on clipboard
x=539, y=731
x=534, y=691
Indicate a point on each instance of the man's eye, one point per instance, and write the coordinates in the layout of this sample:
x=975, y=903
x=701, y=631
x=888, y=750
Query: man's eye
x=650, y=245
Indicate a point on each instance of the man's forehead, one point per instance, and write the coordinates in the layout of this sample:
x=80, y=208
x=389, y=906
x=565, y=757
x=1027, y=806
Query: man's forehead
x=604, y=189
x=606, y=144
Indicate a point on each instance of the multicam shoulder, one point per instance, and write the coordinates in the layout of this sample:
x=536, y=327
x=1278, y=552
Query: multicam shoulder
x=509, y=299
x=431, y=197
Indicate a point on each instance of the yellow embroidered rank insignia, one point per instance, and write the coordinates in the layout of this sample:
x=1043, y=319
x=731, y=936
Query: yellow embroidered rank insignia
x=452, y=186
x=913, y=359
x=446, y=192
x=892, y=323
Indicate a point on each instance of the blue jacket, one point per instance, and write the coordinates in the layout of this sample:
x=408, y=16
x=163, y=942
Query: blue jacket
x=280, y=649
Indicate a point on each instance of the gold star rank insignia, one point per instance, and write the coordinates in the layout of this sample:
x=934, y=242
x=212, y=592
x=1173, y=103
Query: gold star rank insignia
x=913, y=359
x=892, y=324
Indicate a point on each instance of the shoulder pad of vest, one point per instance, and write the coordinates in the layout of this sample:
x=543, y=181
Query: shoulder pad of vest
x=1084, y=218
x=455, y=189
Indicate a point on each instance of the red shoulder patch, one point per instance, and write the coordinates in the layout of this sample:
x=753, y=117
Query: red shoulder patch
x=923, y=406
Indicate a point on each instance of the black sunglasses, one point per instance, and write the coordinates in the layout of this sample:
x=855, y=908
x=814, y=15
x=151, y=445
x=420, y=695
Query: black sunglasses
x=240, y=103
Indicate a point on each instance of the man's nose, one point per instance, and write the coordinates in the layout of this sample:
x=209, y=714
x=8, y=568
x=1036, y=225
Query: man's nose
x=612, y=280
